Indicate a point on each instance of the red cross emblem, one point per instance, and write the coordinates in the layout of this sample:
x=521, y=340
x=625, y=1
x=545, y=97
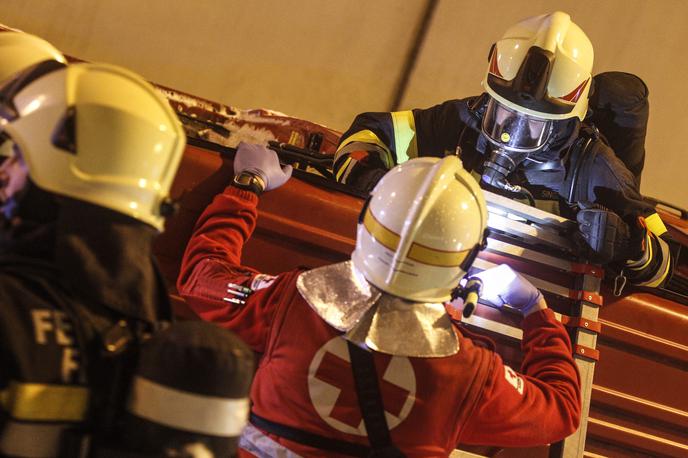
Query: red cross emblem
x=333, y=394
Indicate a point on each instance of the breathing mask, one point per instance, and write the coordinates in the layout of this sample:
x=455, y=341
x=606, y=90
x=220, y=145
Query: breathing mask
x=514, y=136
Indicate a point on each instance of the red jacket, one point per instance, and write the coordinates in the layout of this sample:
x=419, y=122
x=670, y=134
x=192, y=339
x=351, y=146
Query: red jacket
x=304, y=379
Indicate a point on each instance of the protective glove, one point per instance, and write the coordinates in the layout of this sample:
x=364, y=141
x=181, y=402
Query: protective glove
x=603, y=235
x=369, y=178
x=502, y=285
x=263, y=162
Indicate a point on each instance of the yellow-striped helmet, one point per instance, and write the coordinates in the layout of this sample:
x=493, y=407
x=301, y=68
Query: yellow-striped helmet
x=421, y=229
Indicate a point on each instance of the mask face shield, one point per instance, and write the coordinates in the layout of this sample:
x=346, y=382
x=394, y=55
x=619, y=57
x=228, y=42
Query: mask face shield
x=13, y=176
x=513, y=131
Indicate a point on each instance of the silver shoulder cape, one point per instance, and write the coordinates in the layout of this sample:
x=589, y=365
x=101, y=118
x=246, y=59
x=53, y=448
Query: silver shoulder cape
x=341, y=296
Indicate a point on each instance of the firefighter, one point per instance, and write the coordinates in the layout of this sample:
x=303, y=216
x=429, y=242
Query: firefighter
x=91, y=365
x=526, y=137
x=360, y=358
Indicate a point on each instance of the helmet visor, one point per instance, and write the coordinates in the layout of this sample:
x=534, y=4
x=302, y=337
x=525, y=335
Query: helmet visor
x=8, y=91
x=514, y=131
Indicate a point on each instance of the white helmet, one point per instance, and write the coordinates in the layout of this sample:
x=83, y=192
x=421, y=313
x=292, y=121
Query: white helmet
x=542, y=67
x=421, y=229
x=96, y=133
x=19, y=51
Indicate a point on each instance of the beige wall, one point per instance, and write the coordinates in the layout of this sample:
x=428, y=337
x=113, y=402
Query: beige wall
x=308, y=58
x=326, y=61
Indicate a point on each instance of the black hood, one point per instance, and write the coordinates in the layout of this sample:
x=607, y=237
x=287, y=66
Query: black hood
x=27, y=223
x=563, y=135
x=106, y=259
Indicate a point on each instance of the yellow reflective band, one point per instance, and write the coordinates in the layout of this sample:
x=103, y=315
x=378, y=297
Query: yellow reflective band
x=405, y=135
x=41, y=402
x=660, y=279
x=368, y=136
x=438, y=258
x=648, y=244
x=423, y=254
x=666, y=264
x=655, y=224
x=387, y=238
x=342, y=169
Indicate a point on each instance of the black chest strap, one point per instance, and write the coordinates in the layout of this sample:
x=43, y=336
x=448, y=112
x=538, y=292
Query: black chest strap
x=370, y=403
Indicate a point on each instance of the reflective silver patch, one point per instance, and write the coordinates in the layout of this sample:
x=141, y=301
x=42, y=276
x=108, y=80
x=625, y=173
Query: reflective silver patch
x=399, y=327
x=338, y=293
x=341, y=296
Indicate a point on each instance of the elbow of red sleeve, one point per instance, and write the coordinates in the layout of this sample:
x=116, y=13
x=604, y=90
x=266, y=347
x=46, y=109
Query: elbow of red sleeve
x=573, y=418
x=570, y=412
x=191, y=275
x=185, y=283
x=571, y=401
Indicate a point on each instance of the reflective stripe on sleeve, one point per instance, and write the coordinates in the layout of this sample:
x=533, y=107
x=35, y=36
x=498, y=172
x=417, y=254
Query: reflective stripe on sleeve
x=30, y=439
x=344, y=168
x=645, y=259
x=367, y=136
x=655, y=224
x=178, y=409
x=43, y=402
x=405, y=135
x=663, y=270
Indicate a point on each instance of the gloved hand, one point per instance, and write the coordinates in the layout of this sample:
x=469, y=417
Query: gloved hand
x=603, y=235
x=263, y=162
x=368, y=178
x=502, y=285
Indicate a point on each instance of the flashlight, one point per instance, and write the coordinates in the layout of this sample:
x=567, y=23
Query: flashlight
x=469, y=294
